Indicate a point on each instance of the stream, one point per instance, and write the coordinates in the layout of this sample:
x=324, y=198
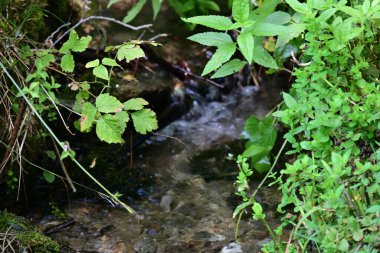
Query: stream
x=184, y=194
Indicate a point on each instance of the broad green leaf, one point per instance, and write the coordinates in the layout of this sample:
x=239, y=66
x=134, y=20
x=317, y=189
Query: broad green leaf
x=240, y=10
x=221, y=55
x=92, y=64
x=49, y=177
x=257, y=209
x=135, y=104
x=326, y=15
x=110, y=62
x=127, y=53
x=75, y=44
x=109, y=129
x=343, y=245
x=111, y=2
x=108, y=104
x=132, y=13
x=373, y=209
x=44, y=61
x=263, y=58
x=229, y=68
x=156, y=6
x=299, y=7
x=289, y=100
x=212, y=21
x=262, y=165
x=246, y=45
x=295, y=31
x=88, y=116
x=278, y=18
x=211, y=38
x=67, y=63
x=122, y=116
x=144, y=121
x=268, y=29
x=261, y=13
x=101, y=72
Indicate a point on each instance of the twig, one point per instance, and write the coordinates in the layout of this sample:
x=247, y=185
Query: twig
x=83, y=20
x=294, y=59
x=70, y=182
x=158, y=36
x=51, y=36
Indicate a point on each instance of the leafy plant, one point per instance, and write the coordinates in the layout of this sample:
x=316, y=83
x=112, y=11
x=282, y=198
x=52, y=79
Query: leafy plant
x=251, y=25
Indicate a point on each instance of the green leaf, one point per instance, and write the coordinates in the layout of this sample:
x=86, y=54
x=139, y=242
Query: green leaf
x=144, y=121
x=132, y=13
x=268, y=29
x=156, y=6
x=135, y=104
x=257, y=209
x=343, y=245
x=211, y=38
x=240, y=10
x=221, y=55
x=299, y=7
x=75, y=44
x=246, y=45
x=229, y=68
x=289, y=100
x=92, y=64
x=262, y=57
x=67, y=63
x=122, y=116
x=88, y=116
x=109, y=128
x=44, y=61
x=110, y=62
x=101, y=72
x=278, y=18
x=48, y=176
x=240, y=208
x=108, y=104
x=128, y=53
x=212, y=21
x=373, y=209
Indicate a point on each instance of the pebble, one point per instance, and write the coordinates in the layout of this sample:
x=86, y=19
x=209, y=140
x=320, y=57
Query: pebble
x=232, y=248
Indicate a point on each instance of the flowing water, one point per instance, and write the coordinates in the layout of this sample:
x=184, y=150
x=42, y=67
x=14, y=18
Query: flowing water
x=184, y=197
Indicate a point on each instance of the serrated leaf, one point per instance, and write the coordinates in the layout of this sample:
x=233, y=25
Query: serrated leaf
x=44, y=61
x=122, y=116
x=144, y=121
x=246, y=45
x=108, y=104
x=101, y=72
x=221, y=55
x=299, y=7
x=229, y=68
x=156, y=6
x=212, y=21
x=127, y=53
x=240, y=10
x=88, y=116
x=48, y=176
x=135, y=104
x=67, y=63
x=211, y=38
x=268, y=29
x=263, y=58
x=110, y=62
x=109, y=128
x=74, y=43
x=92, y=64
x=289, y=100
x=132, y=13
x=278, y=18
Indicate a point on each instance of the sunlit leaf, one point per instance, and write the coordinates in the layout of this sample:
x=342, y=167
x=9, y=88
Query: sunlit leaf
x=109, y=128
x=108, y=104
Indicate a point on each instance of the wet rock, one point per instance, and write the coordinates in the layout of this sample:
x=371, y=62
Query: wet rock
x=166, y=201
x=232, y=248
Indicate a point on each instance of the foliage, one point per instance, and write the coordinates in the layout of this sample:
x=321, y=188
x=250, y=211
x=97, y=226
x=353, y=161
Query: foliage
x=22, y=235
x=184, y=8
x=330, y=192
x=251, y=26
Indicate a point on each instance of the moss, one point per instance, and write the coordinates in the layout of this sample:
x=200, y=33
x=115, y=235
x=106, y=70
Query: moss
x=26, y=236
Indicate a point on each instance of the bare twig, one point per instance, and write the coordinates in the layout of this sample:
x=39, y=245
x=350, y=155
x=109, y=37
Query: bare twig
x=49, y=39
x=70, y=182
x=83, y=20
x=294, y=59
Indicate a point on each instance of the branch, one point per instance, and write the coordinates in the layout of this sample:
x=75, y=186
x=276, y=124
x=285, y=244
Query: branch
x=83, y=20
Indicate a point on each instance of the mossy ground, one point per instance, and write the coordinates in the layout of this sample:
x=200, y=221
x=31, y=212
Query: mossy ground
x=25, y=235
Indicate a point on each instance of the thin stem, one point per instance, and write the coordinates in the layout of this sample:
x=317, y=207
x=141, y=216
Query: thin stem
x=274, y=237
